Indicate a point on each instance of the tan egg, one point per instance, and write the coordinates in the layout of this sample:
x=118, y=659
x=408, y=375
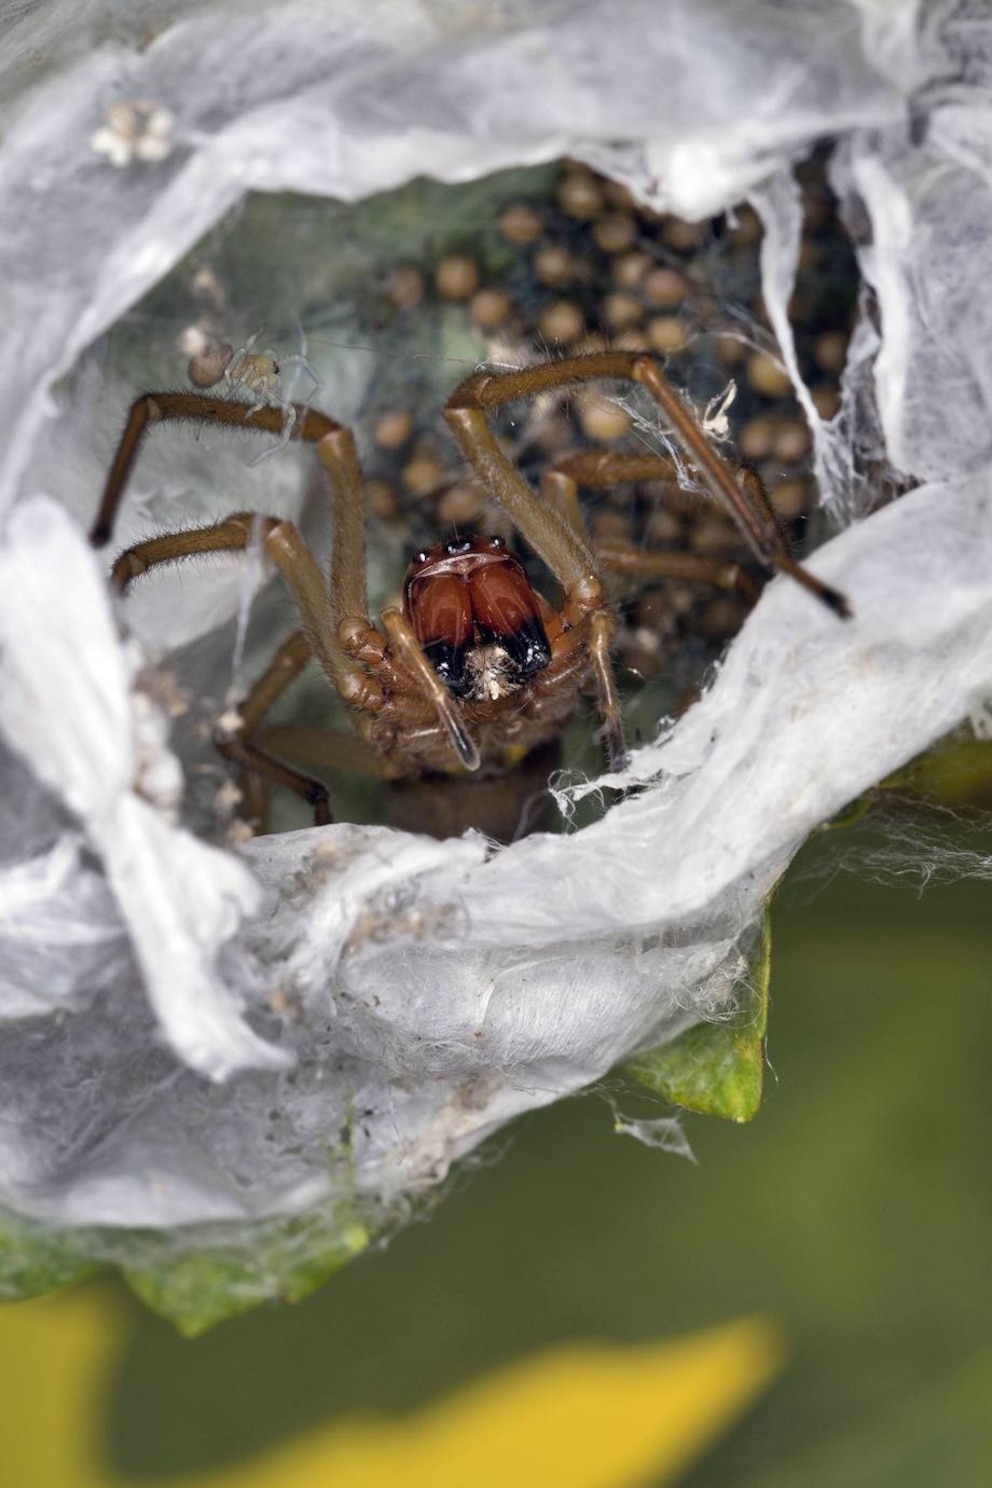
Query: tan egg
x=713, y=537
x=791, y=498
x=685, y=236
x=490, y=309
x=611, y=526
x=614, y=232
x=731, y=350
x=457, y=276
x=830, y=351
x=767, y=376
x=630, y=340
x=521, y=224
x=621, y=310
x=826, y=400
x=663, y=528
x=460, y=505
x=793, y=441
x=554, y=266
x=666, y=333
x=423, y=472
x=665, y=288
x=757, y=439
x=601, y=419
x=580, y=195
x=393, y=429
x=721, y=617
x=628, y=269
x=746, y=229
x=561, y=323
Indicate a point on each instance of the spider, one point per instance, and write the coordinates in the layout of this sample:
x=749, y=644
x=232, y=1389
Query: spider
x=477, y=670
x=259, y=373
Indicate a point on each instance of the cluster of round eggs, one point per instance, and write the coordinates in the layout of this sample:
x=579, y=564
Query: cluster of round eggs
x=588, y=268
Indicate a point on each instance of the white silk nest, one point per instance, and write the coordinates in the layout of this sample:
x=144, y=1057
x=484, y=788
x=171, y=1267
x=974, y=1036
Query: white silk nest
x=192, y=1034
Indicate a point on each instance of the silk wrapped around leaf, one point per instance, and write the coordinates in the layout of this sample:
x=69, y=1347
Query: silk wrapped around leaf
x=224, y=1069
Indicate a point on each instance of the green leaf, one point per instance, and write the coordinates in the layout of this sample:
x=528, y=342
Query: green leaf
x=34, y=1260
x=194, y=1279
x=718, y=1068
x=287, y=1261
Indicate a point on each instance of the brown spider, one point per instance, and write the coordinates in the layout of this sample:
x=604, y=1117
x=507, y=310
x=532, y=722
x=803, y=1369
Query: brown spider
x=477, y=670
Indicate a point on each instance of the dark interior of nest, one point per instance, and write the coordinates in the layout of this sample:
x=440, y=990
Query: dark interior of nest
x=575, y=269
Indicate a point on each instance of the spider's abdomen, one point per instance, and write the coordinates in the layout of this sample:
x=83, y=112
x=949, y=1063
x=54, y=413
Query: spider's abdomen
x=476, y=615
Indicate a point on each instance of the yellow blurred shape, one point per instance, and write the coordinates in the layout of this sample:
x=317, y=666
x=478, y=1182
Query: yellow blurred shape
x=580, y=1415
x=57, y=1357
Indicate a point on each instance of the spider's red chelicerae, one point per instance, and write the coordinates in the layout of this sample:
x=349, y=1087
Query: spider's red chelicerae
x=477, y=669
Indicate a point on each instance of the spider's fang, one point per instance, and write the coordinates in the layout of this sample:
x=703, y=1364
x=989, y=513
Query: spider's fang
x=527, y=646
x=506, y=614
x=448, y=661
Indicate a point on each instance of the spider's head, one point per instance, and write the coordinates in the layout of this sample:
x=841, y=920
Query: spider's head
x=476, y=615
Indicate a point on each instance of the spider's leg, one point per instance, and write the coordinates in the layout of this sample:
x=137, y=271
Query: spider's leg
x=646, y=563
x=551, y=536
x=741, y=491
x=287, y=664
x=323, y=614
x=252, y=760
x=198, y=408
x=561, y=486
x=240, y=745
x=600, y=645
x=606, y=468
x=562, y=493
x=349, y=603
x=489, y=391
x=236, y=744
x=282, y=543
x=299, y=359
x=288, y=421
x=347, y=583
x=337, y=749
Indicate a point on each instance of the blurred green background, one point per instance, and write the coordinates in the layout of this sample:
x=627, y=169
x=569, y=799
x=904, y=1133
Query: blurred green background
x=856, y=1212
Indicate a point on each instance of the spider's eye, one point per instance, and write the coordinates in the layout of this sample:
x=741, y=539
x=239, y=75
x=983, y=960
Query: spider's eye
x=422, y=556
x=496, y=543
x=458, y=545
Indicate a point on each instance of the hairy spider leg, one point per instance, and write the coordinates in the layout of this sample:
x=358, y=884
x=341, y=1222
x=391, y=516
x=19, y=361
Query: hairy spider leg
x=203, y=408
x=261, y=749
x=607, y=468
x=348, y=596
x=562, y=494
x=487, y=391
x=335, y=615
x=280, y=539
x=237, y=744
